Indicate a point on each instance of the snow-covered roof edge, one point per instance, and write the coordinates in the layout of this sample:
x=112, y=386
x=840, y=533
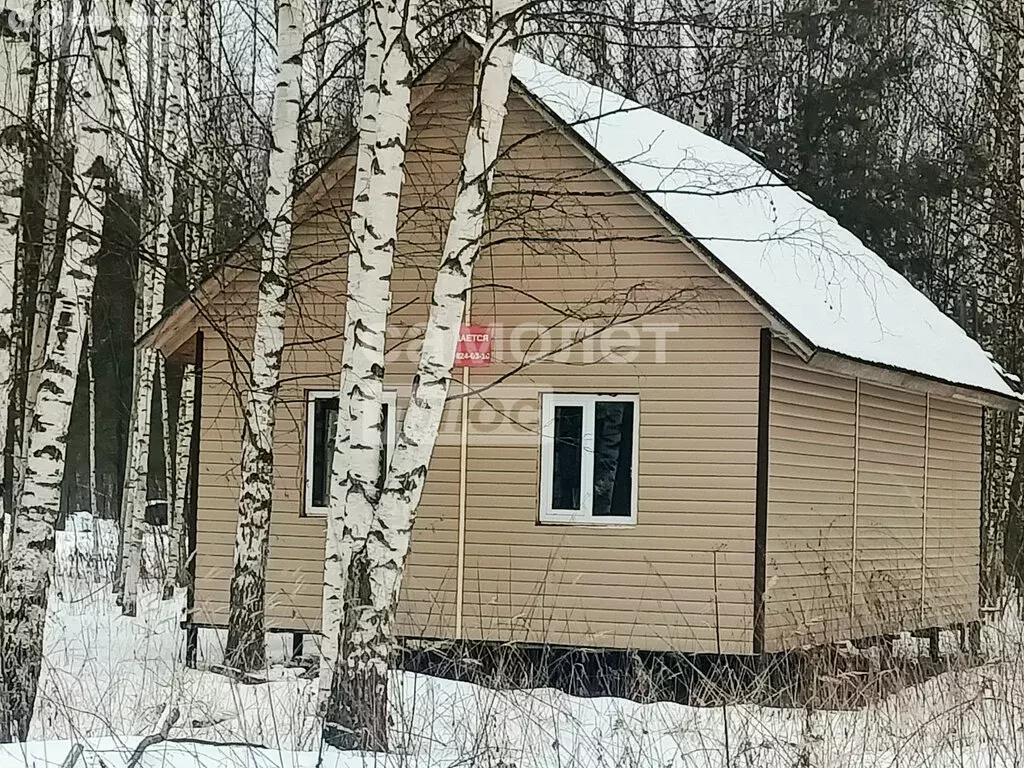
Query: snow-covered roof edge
x=1004, y=396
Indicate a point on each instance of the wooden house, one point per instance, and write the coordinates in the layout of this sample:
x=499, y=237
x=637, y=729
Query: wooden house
x=707, y=414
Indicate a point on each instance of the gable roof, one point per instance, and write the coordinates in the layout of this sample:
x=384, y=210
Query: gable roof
x=822, y=280
x=833, y=296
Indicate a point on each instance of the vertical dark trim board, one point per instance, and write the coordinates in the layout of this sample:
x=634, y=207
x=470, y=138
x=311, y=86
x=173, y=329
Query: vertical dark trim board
x=764, y=398
x=192, y=511
x=974, y=627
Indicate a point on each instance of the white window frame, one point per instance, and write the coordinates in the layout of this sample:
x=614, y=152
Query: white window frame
x=584, y=515
x=390, y=399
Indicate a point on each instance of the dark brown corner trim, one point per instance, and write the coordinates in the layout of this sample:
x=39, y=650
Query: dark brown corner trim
x=982, y=514
x=192, y=509
x=761, y=503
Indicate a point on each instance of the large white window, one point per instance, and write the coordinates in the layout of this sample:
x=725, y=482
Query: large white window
x=321, y=427
x=589, y=458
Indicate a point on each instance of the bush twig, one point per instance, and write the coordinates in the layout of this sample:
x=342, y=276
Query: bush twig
x=73, y=755
x=167, y=719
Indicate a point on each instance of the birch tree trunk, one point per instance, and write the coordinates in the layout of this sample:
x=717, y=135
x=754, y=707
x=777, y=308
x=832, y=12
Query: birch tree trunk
x=198, y=237
x=165, y=160
x=25, y=574
x=359, y=690
x=16, y=73
x=52, y=94
x=134, y=501
x=175, y=479
x=380, y=172
x=707, y=56
x=94, y=505
x=144, y=367
x=49, y=272
x=246, y=644
x=128, y=485
x=182, y=454
x=1003, y=227
x=111, y=54
x=197, y=96
x=310, y=161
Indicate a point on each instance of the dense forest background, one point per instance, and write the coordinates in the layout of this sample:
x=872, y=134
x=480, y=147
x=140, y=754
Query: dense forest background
x=901, y=118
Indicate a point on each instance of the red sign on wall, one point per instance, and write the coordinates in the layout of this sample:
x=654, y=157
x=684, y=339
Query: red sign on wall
x=474, y=348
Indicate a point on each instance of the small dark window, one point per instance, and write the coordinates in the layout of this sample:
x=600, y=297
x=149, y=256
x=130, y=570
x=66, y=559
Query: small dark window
x=613, y=459
x=325, y=427
x=322, y=426
x=565, y=479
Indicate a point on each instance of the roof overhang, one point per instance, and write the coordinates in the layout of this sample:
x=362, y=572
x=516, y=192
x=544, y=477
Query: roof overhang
x=180, y=322
x=878, y=373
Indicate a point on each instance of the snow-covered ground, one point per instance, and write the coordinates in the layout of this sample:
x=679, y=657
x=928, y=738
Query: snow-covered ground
x=107, y=679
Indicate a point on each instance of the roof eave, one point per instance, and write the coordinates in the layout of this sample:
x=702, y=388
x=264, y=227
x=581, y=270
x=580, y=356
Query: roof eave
x=881, y=373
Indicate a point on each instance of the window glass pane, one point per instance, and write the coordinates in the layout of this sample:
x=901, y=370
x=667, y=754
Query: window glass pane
x=325, y=426
x=568, y=457
x=613, y=459
x=384, y=457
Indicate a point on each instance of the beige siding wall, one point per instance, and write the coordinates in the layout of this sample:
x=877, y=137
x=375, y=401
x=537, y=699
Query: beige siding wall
x=854, y=547
x=954, y=496
x=810, y=503
x=686, y=568
x=295, y=567
x=890, y=514
x=572, y=259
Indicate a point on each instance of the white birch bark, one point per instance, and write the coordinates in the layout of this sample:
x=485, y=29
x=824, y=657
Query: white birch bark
x=165, y=160
x=388, y=544
x=337, y=555
x=101, y=572
x=369, y=632
x=112, y=47
x=195, y=82
x=115, y=58
x=708, y=79
x=355, y=468
x=316, y=124
x=16, y=73
x=197, y=96
x=94, y=505
x=182, y=454
x=128, y=484
x=145, y=362
x=134, y=501
x=25, y=574
x=49, y=266
x=166, y=467
x=110, y=53
x=246, y=648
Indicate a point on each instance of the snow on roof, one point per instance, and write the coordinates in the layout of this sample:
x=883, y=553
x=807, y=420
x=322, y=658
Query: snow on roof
x=814, y=273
